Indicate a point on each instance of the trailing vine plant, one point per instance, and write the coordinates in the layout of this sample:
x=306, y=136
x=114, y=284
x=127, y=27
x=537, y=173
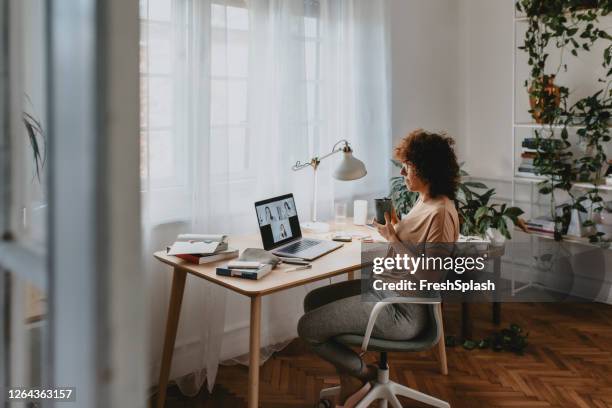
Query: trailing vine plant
x=572, y=25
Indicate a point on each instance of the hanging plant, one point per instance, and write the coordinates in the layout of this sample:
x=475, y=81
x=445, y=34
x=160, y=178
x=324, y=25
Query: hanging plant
x=571, y=24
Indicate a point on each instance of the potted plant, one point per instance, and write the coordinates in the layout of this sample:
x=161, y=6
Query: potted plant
x=477, y=216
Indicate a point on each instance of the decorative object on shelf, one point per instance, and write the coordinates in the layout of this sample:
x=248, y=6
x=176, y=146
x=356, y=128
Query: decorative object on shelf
x=476, y=215
x=577, y=225
x=544, y=98
x=350, y=168
x=569, y=25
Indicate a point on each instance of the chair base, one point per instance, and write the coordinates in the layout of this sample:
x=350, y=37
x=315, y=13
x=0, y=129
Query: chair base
x=387, y=391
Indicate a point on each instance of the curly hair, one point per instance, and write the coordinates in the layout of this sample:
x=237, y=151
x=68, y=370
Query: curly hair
x=434, y=160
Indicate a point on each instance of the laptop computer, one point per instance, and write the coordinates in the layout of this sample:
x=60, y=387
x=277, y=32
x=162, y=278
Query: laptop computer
x=281, y=234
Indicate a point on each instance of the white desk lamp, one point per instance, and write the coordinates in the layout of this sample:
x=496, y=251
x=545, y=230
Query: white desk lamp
x=350, y=168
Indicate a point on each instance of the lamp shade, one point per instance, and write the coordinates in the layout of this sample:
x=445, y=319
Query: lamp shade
x=350, y=168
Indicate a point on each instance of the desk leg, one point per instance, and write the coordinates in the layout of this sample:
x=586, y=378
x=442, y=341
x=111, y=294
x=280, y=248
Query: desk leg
x=350, y=275
x=497, y=305
x=174, y=311
x=254, y=344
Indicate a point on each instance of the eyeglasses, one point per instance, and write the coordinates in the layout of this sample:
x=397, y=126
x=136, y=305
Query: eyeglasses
x=406, y=166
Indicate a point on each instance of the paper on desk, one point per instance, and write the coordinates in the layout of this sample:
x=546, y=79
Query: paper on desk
x=193, y=247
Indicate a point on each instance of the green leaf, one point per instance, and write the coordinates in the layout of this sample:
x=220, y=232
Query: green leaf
x=513, y=213
x=480, y=212
x=469, y=344
x=484, y=344
x=475, y=184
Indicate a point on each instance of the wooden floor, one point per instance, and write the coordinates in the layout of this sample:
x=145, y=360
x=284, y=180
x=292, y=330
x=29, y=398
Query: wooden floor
x=568, y=363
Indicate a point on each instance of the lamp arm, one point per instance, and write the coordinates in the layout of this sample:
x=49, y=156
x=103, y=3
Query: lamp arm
x=315, y=161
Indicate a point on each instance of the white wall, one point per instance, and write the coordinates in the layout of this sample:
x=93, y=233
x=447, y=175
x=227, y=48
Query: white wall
x=426, y=67
x=488, y=26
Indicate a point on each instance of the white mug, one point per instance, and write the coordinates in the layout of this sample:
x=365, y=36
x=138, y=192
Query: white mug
x=360, y=212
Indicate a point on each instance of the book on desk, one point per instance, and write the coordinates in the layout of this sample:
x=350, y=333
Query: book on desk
x=245, y=273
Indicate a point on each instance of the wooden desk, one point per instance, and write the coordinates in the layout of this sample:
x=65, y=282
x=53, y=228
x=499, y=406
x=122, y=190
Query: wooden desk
x=344, y=260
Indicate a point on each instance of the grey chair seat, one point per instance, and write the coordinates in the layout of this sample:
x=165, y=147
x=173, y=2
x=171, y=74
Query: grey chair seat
x=423, y=341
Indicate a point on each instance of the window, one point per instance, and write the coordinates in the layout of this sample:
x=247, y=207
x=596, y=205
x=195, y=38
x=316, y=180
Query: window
x=158, y=143
x=312, y=47
x=229, y=92
x=230, y=136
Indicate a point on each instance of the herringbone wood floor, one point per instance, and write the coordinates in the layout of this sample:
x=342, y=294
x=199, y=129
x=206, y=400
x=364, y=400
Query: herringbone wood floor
x=568, y=363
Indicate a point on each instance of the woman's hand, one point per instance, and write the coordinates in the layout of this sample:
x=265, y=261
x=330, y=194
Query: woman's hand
x=388, y=230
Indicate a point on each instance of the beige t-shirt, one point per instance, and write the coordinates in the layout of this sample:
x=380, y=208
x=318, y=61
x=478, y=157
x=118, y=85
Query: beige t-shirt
x=433, y=221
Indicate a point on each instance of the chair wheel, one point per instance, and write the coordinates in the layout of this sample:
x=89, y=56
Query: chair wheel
x=324, y=403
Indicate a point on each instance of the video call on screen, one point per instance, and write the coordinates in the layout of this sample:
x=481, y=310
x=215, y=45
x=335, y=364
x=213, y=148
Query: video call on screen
x=277, y=216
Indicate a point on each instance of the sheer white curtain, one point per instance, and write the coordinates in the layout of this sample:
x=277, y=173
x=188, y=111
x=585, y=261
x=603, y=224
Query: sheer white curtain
x=233, y=93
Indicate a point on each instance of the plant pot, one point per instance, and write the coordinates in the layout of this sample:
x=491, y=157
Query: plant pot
x=543, y=95
x=575, y=226
x=495, y=236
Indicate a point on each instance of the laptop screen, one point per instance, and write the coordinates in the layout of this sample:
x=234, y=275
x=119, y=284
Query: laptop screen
x=278, y=221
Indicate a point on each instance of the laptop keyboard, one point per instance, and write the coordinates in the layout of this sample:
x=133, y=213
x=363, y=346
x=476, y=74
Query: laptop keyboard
x=300, y=246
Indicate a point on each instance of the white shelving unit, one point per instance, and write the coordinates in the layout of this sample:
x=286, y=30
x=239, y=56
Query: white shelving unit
x=526, y=184
x=519, y=178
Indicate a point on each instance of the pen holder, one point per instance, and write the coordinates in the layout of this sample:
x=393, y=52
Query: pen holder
x=382, y=206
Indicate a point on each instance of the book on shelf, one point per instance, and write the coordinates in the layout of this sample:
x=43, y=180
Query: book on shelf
x=529, y=154
x=198, y=244
x=200, y=259
x=542, y=224
x=532, y=143
x=527, y=169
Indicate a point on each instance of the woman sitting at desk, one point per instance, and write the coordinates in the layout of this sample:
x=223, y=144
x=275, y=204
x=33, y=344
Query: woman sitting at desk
x=429, y=167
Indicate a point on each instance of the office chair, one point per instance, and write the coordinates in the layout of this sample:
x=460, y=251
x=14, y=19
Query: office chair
x=382, y=388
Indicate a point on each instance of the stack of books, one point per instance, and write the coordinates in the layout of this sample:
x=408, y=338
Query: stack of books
x=530, y=151
x=254, y=263
x=526, y=165
x=245, y=269
x=202, y=248
x=543, y=225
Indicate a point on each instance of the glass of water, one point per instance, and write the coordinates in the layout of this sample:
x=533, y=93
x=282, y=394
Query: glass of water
x=340, y=214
